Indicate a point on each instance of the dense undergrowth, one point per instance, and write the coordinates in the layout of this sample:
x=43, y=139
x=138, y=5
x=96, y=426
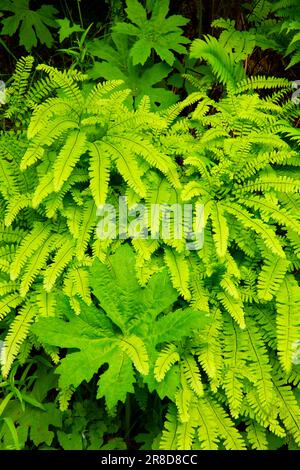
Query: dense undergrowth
x=154, y=342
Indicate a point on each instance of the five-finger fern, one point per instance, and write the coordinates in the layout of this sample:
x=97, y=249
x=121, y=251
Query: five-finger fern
x=223, y=354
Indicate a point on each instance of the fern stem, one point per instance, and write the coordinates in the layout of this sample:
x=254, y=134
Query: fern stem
x=127, y=416
x=79, y=12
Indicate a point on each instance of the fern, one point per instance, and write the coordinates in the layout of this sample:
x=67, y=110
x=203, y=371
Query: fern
x=16, y=335
x=287, y=320
x=271, y=277
x=179, y=272
x=157, y=32
x=87, y=331
x=167, y=357
x=211, y=331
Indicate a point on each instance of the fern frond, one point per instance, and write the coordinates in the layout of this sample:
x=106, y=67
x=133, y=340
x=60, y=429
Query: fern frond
x=169, y=435
x=45, y=111
x=35, y=264
x=209, y=351
x=61, y=259
x=265, y=231
x=128, y=167
x=80, y=277
x=32, y=242
x=271, y=277
x=259, y=82
x=66, y=80
x=87, y=225
x=192, y=374
x=226, y=428
x=208, y=434
x=17, y=333
x=230, y=287
x=67, y=158
x=185, y=434
x=259, y=367
x=179, y=272
x=289, y=411
x=136, y=350
x=64, y=398
x=221, y=231
x=183, y=399
x=43, y=189
x=55, y=128
x=100, y=90
x=166, y=359
x=99, y=172
x=46, y=303
x=234, y=307
x=8, y=302
x=287, y=320
x=14, y=206
x=284, y=184
x=235, y=356
x=256, y=435
x=221, y=63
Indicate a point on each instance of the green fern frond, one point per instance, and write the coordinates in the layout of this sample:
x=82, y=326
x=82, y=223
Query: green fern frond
x=67, y=158
x=266, y=233
x=271, y=277
x=259, y=367
x=185, y=434
x=192, y=374
x=256, y=435
x=16, y=335
x=287, y=320
x=8, y=302
x=137, y=352
x=233, y=307
x=99, y=172
x=226, y=429
x=288, y=408
x=284, y=184
x=32, y=241
x=183, y=400
x=179, y=272
x=80, y=277
x=221, y=231
x=46, y=303
x=166, y=359
x=209, y=351
x=35, y=264
x=87, y=225
x=169, y=435
x=222, y=65
x=61, y=259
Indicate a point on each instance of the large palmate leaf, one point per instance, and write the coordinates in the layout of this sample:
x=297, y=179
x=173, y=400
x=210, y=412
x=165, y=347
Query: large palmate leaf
x=33, y=23
x=116, y=64
x=92, y=337
x=160, y=32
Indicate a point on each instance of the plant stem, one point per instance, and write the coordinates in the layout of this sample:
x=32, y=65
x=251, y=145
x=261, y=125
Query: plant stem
x=80, y=15
x=127, y=416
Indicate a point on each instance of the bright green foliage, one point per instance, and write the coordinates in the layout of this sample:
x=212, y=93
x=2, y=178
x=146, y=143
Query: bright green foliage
x=127, y=307
x=30, y=418
x=277, y=26
x=66, y=30
x=240, y=44
x=161, y=33
x=33, y=23
x=211, y=332
x=116, y=64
